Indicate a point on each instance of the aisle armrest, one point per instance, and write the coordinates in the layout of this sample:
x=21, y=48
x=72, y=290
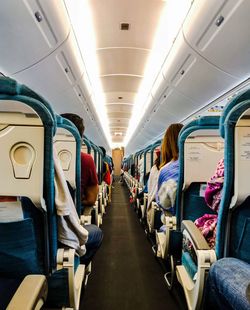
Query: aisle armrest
x=198, y=240
x=31, y=294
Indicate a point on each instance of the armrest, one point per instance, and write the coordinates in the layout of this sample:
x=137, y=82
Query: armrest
x=31, y=294
x=198, y=240
x=154, y=205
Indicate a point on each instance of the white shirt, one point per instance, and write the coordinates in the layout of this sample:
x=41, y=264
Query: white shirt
x=141, y=170
x=70, y=232
x=152, y=183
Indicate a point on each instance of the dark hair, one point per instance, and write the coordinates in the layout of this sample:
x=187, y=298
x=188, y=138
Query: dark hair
x=157, y=162
x=169, y=146
x=76, y=120
x=103, y=150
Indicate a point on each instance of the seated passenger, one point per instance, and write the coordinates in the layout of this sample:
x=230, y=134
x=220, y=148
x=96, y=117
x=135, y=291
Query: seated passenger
x=145, y=187
x=89, y=191
x=70, y=232
x=153, y=178
x=207, y=223
x=106, y=168
x=169, y=172
x=141, y=170
x=228, y=285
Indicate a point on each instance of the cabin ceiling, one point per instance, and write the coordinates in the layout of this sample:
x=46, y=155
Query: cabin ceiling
x=203, y=61
x=122, y=54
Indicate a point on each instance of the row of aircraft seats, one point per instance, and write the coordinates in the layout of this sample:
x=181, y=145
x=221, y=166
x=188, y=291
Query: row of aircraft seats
x=200, y=224
x=44, y=230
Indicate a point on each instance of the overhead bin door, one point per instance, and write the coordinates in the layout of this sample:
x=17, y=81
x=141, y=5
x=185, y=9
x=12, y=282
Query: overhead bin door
x=160, y=88
x=193, y=76
x=219, y=30
x=177, y=106
x=56, y=73
x=30, y=30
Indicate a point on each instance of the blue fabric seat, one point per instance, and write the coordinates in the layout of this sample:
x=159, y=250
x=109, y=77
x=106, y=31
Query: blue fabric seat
x=238, y=242
x=8, y=288
x=30, y=245
x=190, y=205
x=229, y=277
x=227, y=285
x=186, y=245
x=95, y=234
x=68, y=125
x=24, y=243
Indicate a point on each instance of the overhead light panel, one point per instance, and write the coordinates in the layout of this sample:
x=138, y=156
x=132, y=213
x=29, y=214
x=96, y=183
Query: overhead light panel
x=82, y=23
x=172, y=18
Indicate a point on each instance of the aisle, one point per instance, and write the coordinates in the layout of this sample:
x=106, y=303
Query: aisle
x=125, y=274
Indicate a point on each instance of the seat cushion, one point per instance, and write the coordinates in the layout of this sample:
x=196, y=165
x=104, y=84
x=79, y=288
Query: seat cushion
x=18, y=251
x=8, y=288
x=227, y=285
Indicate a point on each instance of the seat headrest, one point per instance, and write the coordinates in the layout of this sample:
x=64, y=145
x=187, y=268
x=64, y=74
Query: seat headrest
x=200, y=122
x=244, y=95
x=67, y=124
x=11, y=87
x=59, y=119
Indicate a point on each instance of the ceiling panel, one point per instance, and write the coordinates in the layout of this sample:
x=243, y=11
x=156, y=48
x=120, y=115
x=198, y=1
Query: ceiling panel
x=122, y=61
x=122, y=83
x=123, y=54
x=119, y=114
x=120, y=97
x=120, y=108
x=117, y=139
x=118, y=122
x=142, y=15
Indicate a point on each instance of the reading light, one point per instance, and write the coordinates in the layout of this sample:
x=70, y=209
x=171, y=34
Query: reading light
x=80, y=16
x=170, y=23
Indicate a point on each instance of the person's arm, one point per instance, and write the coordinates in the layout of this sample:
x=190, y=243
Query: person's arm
x=90, y=195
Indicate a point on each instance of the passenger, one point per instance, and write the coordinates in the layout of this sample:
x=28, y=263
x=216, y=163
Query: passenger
x=169, y=172
x=106, y=168
x=123, y=168
x=70, y=232
x=153, y=178
x=89, y=191
x=145, y=188
x=112, y=170
x=207, y=223
x=141, y=170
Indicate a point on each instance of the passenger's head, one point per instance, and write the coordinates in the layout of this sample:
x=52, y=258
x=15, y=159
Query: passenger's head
x=157, y=161
x=169, y=146
x=103, y=150
x=76, y=120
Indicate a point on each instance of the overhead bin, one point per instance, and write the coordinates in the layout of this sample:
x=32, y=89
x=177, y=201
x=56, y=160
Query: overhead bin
x=30, y=30
x=177, y=106
x=219, y=31
x=159, y=88
x=58, y=72
x=193, y=76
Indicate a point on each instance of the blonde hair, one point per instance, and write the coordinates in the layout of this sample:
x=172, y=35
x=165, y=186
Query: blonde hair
x=169, y=145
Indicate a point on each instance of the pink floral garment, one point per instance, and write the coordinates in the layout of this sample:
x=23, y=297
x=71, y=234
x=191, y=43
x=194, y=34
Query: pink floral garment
x=207, y=223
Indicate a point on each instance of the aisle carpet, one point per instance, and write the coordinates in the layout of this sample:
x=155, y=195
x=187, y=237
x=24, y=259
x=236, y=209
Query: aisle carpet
x=126, y=275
